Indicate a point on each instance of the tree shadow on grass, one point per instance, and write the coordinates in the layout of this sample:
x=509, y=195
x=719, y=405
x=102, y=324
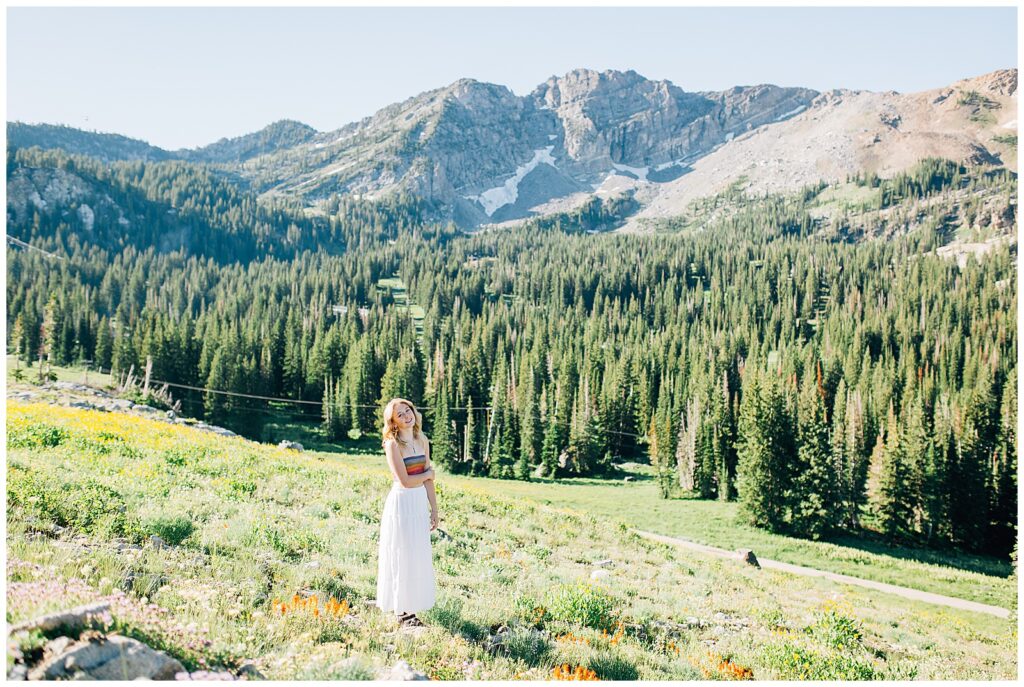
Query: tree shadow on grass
x=955, y=558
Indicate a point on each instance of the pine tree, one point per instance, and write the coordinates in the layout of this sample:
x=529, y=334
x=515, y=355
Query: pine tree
x=687, y=460
x=500, y=456
x=893, y=506
x=1004, y=479
x=814, y=509
x=840, y=458
x=762, y=475
x=443, y=448
x=531, y=433
x=920, y=457
x=104, y=351
x=556, y=436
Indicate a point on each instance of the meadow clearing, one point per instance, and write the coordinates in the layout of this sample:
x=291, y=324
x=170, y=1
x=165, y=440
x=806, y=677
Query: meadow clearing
x=270, y=556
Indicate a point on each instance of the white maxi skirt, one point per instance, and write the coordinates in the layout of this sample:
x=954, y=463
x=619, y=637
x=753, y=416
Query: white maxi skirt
x=405, y=567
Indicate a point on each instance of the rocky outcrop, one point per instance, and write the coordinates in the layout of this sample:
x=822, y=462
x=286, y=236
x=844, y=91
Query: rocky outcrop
x=483, y=155
x=103, y=657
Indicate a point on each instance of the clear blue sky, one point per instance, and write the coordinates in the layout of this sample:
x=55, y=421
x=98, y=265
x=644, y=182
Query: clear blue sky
x=185, y=77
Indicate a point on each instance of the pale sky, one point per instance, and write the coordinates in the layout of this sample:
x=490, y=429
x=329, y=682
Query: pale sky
x=185, y=76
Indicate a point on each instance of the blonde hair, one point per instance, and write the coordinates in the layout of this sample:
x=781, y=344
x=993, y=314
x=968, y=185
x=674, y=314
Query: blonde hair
x=389, y=430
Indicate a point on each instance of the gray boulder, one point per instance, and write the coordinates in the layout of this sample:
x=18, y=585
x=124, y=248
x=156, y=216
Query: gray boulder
x=76, y=618
x=401, y=671
x=100, y=657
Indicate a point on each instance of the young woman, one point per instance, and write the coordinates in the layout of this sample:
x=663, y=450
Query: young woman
x=405, y=568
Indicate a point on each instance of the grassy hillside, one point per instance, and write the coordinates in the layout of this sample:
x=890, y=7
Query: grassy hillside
x=637, y=504
x=256, y=531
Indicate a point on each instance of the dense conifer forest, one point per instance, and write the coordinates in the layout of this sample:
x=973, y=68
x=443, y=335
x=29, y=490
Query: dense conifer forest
x=827, y=379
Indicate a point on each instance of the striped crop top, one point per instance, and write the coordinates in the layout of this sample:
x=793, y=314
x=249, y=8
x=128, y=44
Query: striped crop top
x=415, y=465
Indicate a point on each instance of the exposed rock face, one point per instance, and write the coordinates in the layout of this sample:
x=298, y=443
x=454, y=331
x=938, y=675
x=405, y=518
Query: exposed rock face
x=483, y=155
x=610, y=118
x=492, y=156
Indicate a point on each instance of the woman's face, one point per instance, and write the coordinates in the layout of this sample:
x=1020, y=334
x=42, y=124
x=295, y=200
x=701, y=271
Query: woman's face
x=406, y=418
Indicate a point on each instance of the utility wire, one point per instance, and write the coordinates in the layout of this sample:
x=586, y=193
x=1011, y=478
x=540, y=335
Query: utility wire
x=346, y=405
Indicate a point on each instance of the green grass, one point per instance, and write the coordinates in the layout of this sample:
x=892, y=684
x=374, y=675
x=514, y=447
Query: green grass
x=847, y=196
x=257, y=526
x=976, y=578
x=77, y=374
x=638, y=505
x=396, y=287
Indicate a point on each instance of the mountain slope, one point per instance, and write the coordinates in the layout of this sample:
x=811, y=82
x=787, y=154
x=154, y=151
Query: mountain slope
x=254, y=537
x=484, y=155
x=847, y=132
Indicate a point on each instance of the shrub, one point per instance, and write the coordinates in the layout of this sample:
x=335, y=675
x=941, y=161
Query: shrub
x=836, y=628
x=172, y=529
x=609, y=666
x=447, y=613
x=584, y=605
x=527, y=645
x=793, y=662
x=89, y=507
x=35, y=435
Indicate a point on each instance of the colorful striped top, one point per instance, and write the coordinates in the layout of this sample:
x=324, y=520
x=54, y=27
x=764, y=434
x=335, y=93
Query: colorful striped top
x=415, y=465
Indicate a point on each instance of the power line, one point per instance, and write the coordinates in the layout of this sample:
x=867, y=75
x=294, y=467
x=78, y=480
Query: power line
x=346, y=405
x=241, y=395
x=273, y=411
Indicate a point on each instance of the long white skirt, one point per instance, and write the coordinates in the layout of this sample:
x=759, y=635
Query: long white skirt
x=405, y=567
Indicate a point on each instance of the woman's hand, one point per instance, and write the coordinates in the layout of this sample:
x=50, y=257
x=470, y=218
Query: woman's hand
x=435, y=519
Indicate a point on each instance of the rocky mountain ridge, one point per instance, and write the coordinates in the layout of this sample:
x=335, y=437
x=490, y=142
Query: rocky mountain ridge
x=487, y=156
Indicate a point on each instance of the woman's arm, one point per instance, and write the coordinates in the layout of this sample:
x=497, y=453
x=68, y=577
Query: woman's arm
x=397, y=466
x=435, y=517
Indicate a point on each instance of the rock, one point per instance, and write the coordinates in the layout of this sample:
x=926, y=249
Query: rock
x=113, y=657
x=600, y=574
x=157, y=542
x=748, y=557
x=629, y=478
x=74, y=619
x=495, y=643
x=401, y=671
x=442, y=535
x=171, y=415
x=604, y=563
x=56, y=647
x=249, y=671
x=18, y=672
x=294, y=445
x=205, y=675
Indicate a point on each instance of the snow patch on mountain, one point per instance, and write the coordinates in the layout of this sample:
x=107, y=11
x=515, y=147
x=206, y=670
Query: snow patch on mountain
x=507, y=193
x=639, y=172
x=797, y=110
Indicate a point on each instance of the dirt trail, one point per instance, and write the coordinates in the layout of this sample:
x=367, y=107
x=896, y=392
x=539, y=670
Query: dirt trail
x=905, y=592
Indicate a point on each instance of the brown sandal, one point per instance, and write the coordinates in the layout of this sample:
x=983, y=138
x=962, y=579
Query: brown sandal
x=410, y=620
